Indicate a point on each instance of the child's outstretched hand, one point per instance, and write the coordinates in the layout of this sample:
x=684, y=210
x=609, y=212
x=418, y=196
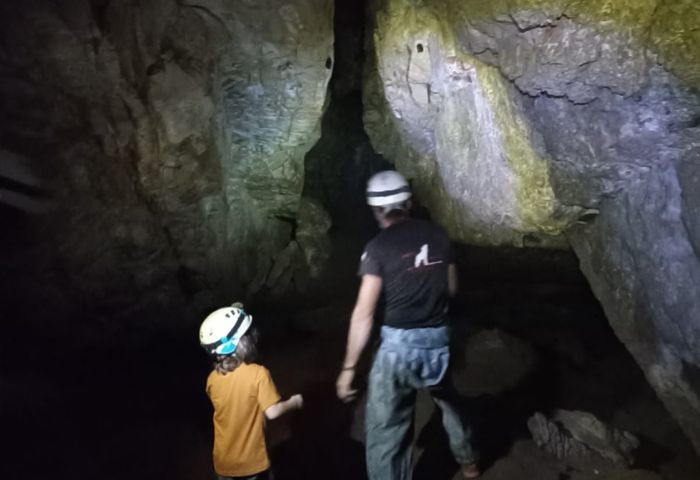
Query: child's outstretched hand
x=297, y=400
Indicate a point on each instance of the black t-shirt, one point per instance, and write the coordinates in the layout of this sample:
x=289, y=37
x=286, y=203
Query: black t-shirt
x=411, y=257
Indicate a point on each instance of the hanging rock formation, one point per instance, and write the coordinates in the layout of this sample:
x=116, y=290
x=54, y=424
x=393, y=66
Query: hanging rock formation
x=542, y=122
x=171, y=135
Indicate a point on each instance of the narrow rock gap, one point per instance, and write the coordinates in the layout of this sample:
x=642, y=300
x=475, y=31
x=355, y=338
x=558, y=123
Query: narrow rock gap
x=340, y=163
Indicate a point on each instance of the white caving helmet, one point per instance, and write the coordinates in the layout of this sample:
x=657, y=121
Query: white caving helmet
x=387, y=188
x=222, y=329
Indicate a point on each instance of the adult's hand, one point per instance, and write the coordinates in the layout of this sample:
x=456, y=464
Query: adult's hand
x=343, y=386
x=360, y=327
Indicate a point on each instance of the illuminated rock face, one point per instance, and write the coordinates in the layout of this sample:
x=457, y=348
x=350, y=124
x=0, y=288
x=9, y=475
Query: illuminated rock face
x=458, y=129
x=531, y=121
x=172, y=135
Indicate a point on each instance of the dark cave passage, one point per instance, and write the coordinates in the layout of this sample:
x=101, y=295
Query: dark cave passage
x=178, y=179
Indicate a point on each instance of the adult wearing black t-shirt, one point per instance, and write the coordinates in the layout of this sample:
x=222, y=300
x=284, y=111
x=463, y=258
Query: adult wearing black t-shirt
x=410, y=262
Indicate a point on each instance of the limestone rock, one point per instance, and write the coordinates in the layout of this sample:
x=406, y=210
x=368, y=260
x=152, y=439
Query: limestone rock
x=311, y=235
x=284, y=266
x=457, y=129
x=172, y=136
x=689, y=181
x=183, y=108
x=562, y=57
x=302, y=259
x=577, y=434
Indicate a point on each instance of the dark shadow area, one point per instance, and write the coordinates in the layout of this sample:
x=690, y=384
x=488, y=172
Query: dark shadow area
x=540, y=298
x=124, y=409
x=650, y=454
x=320, y=446
x=113, y=411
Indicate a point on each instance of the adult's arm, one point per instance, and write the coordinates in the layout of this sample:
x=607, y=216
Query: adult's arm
x=361, y=323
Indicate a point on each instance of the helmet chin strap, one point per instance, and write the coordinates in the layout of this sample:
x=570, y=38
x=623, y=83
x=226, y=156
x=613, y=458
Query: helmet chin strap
x=228, y=346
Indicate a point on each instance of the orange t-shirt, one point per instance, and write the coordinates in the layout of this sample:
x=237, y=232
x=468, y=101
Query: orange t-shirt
x=240, y=399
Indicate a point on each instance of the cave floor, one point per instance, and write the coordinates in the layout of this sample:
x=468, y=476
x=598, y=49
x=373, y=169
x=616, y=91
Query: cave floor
x=140, y=412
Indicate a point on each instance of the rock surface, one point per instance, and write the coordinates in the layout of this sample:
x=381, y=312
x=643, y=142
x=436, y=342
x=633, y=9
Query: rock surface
x=494, y=362
x=172, y=135
x=577, y=434
x=457, y=129
x=524, y=121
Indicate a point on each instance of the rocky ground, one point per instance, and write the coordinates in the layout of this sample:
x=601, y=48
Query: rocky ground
x=134, y=407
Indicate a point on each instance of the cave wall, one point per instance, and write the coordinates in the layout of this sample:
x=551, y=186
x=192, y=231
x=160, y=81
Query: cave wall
x=532, y=122
x=458, y=129
x=169, y=137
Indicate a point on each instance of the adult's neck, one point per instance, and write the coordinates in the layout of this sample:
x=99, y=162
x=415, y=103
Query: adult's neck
x=394, y=220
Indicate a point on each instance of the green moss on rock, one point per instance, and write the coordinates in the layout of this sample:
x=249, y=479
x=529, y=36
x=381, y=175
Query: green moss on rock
x=535, y=196
x=398, y=24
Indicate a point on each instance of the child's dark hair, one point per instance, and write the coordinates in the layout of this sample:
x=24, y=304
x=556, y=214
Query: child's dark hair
x=246, y=352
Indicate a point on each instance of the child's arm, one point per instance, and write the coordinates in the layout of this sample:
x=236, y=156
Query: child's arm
x=294, y=402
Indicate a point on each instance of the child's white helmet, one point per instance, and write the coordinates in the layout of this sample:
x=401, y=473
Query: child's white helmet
x=222, y=329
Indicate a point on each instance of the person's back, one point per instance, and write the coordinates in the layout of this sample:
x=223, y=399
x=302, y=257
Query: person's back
x=242, y=393
x=240, y=399
x=410, y=263
x=412, y=258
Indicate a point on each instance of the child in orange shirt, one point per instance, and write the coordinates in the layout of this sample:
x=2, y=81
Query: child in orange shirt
x=242, y=393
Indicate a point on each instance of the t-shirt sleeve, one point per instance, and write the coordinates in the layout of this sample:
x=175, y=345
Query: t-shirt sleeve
x=267, y=391
x=369, y=262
